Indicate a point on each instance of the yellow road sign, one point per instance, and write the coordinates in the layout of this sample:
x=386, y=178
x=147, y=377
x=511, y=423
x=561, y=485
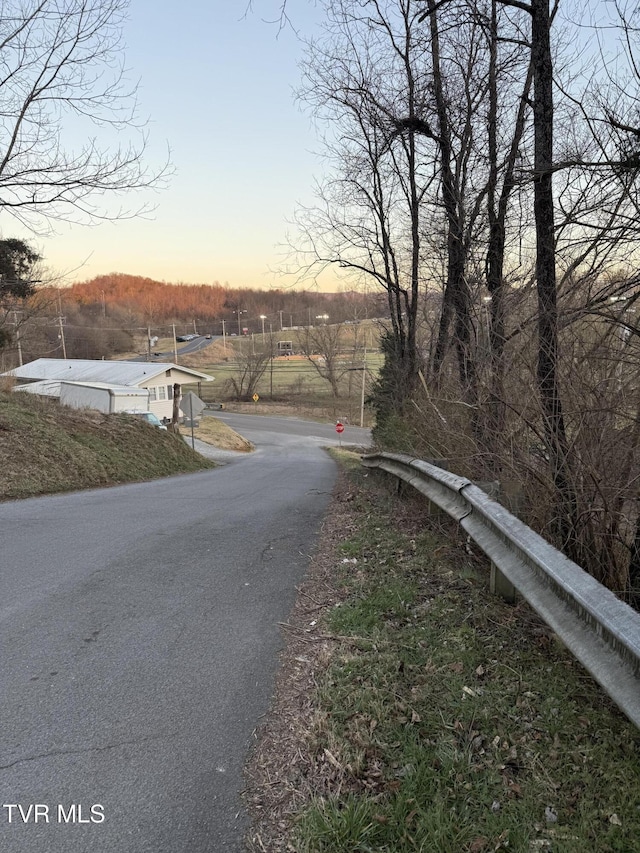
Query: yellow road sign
x=256, y=397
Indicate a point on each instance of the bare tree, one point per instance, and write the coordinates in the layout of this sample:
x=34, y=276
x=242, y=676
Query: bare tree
x=442, y=118
x=369, y=79
x=60, y=61
x=413, y=178
x=326, y=349
x=250, y=368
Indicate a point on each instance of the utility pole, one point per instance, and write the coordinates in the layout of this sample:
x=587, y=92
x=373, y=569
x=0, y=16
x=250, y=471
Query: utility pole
x=364, y=373
x=224, y=337
x=18, y=341
x=148, y=343
x=175, y=343
x=64, y=348
x=280, y=313
x=60, y=321
x=19, y=344
x=271, y=357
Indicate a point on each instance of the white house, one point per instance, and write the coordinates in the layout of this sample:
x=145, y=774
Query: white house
x=157, y=378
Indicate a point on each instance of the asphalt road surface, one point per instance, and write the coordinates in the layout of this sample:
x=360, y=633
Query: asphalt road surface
x=285, y=432
x=139, y=635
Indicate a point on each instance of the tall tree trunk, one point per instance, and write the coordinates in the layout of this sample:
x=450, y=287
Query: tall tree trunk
x=495, y=249
x=497, y=213
x=551, y=403
x=456, y=297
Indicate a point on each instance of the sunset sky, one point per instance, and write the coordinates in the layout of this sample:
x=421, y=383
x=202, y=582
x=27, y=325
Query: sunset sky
x=217, y=86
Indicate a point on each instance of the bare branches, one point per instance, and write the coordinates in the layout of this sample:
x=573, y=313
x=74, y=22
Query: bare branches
x=60, y=62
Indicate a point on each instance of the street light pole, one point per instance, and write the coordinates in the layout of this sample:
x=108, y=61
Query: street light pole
x=239, y=312
x=263, y=317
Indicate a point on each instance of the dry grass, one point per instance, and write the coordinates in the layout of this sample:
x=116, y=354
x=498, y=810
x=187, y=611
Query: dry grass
x=215, y=432
x=205, y=357
x=46, y=448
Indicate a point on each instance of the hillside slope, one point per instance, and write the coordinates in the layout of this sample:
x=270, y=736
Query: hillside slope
x=46, y=447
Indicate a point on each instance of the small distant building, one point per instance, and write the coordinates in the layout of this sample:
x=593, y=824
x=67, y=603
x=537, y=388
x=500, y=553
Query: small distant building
x=77, y=382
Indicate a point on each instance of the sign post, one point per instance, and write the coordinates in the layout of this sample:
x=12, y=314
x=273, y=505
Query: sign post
x=339, y=430
x=192, y=406
x=255, y=399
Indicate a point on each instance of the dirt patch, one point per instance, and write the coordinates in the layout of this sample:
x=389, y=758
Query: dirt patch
x=278, y=771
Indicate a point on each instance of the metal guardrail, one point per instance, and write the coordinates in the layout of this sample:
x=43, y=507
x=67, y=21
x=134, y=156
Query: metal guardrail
x=601, y=631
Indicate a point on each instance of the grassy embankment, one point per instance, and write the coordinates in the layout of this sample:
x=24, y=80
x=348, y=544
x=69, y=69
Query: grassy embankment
x=48, y=448
x=416, y=712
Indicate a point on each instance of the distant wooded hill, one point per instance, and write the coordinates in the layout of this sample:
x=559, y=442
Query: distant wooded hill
x=112, y=314
x=160, y=302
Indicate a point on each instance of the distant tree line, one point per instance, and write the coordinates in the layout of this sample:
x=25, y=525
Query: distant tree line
x=154, y=302
x=111, y=314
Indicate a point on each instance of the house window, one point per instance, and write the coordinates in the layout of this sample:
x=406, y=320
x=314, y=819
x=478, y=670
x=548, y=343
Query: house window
x=169, y=392
x=152, y=395
x=162, y=392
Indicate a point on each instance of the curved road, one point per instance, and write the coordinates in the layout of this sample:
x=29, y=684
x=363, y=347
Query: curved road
x=281, y=431
x=139, y=630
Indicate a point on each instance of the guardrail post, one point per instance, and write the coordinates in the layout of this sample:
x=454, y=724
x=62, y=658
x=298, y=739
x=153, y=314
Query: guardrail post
x=501, y=585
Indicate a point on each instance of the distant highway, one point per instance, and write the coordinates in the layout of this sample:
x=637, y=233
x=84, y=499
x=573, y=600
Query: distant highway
x=184, y=348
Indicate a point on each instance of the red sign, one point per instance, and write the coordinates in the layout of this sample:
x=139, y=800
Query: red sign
x=339, y=427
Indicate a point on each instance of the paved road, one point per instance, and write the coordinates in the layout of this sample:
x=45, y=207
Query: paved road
x=139, y=631
x=284, y=431
x=184, y=348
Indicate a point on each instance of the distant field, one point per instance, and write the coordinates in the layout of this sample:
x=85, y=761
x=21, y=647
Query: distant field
x=290, y=384
x=293, y=382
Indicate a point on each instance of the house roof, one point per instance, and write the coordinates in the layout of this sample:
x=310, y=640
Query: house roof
x=130, y=373
x=52, y=387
